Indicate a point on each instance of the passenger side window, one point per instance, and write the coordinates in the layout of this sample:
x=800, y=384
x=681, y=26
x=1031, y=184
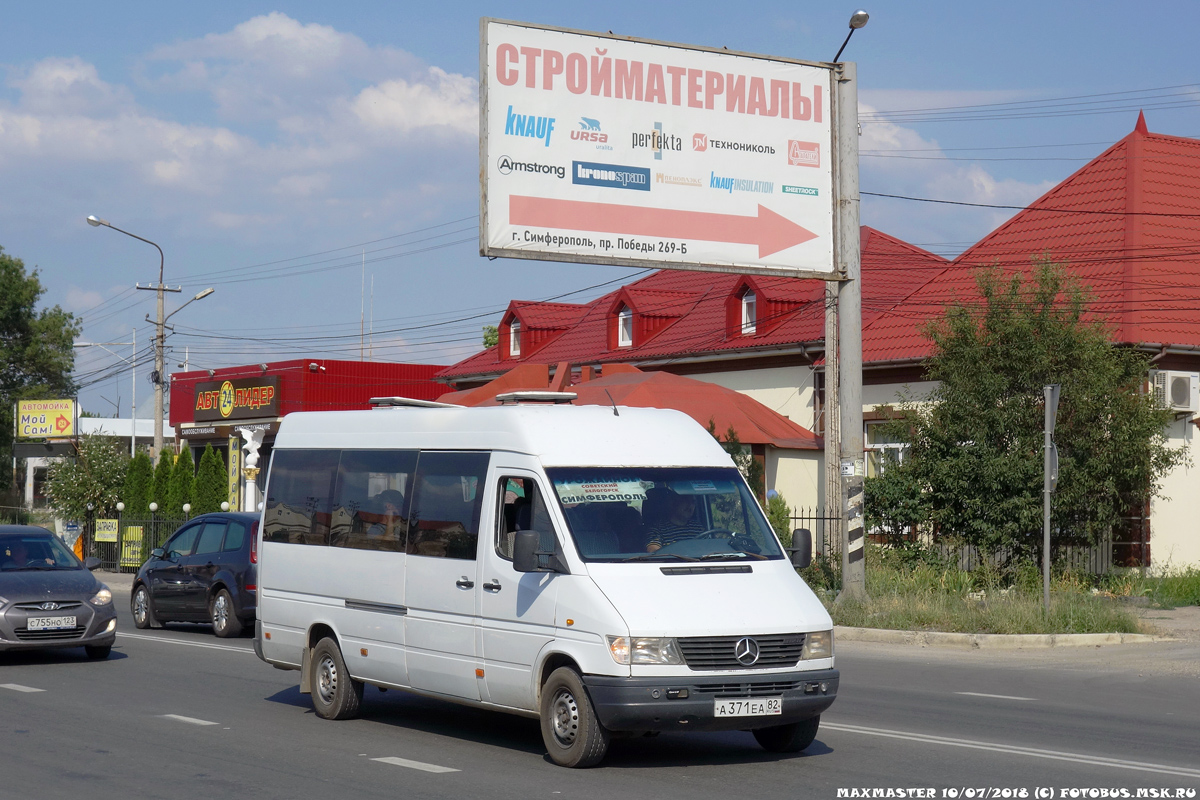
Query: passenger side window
x=235, y=536
x=300, y=496
x=210, y=538
x=446, y=503
x=181, y=543
x=522, y=508
x=370, y=505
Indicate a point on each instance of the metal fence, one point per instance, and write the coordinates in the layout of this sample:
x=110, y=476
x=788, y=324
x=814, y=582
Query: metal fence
x=1127, y=547
x=126, y=547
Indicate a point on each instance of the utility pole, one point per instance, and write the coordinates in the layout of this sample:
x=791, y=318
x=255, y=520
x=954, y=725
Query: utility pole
x=849, y=324
x=159, y=348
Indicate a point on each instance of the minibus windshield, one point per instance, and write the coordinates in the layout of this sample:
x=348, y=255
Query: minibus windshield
x=663, y=514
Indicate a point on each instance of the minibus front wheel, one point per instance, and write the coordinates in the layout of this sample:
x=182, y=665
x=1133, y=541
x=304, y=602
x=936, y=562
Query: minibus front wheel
x=335, y=695
x=788, y=738
x=571, y=730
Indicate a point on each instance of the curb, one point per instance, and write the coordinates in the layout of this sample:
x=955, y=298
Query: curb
x=991, y=641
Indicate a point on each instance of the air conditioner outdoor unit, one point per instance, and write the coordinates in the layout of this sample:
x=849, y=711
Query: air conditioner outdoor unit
x=1178, y=391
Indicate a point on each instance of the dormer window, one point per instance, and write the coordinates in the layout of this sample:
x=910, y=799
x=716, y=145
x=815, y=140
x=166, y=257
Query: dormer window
x=749, y=313
x=625, y=327
x=514, y=339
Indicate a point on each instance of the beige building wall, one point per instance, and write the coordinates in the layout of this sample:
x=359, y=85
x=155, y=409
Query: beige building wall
x=1175, y=514
x=795, y=474
x=786, y=390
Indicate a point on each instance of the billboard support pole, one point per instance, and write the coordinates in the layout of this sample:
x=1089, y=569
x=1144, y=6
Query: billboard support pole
x=849, y=313
x=832, y=426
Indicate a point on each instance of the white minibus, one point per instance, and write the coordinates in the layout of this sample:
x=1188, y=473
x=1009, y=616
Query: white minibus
x=604, y=569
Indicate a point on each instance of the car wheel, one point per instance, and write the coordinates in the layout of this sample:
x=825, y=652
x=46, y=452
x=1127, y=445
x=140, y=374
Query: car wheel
x=143, y=612
x=224, y=620
x=335, y=695
x=788, y=738
x=571, y=730
x=97, y=651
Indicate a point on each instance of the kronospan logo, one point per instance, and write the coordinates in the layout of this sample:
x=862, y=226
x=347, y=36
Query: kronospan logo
x=506, y=166
x=612, y=176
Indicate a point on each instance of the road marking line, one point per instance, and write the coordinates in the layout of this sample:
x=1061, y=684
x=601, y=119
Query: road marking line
x=169, y=640
x=16, y=687
x=189, y=720
x=404, y=762
x=996, y=696
x=1032, y=752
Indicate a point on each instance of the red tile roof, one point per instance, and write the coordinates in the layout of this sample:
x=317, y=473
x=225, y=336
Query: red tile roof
x=891, y=268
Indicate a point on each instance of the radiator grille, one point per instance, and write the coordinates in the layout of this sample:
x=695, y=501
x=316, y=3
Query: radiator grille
x=720, y=652
x=26, y=635
x=747, y=689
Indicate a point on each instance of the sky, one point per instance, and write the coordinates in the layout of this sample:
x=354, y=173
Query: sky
x=317, y=163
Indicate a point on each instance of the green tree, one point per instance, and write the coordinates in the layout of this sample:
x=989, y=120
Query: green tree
x=743, y=456
x=491, y=336
x=36, y=353
x=138, y=483
x=974, y=467
x=183, y=476
x=160, y=491
x=95, y=475
x=780, y=517
x=211, y=487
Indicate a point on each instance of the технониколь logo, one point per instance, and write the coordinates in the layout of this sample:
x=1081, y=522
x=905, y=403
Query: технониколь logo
x=702, y=142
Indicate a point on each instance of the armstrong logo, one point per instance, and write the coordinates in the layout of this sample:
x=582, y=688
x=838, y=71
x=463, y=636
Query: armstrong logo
x=746, y=651
x=529, y=126
x=589, y=131
x=506, y=166
x=657, y=141
x=804, y=154
x=613, y=176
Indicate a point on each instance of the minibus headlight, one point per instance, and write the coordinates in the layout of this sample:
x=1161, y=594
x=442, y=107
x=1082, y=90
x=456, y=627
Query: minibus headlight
x=644, y=650
x=818, y=645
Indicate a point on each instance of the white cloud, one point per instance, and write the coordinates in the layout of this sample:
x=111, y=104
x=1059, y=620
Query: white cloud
x=445, y=100
x=82, y=299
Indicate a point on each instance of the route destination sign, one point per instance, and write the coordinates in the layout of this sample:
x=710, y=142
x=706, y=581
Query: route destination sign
x=608, y=150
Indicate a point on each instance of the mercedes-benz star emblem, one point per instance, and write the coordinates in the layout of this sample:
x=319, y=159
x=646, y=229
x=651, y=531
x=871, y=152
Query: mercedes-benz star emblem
x=49, y=606
x=746, y=651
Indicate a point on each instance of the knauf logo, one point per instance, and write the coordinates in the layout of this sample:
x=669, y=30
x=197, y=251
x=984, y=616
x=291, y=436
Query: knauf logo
x=529, y=126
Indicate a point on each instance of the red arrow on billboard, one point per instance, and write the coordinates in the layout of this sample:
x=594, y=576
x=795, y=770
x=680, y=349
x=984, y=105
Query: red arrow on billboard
x=768, y=230
x=62, y=423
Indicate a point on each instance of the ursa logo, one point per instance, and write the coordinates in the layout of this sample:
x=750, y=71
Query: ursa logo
x=529, y=126
x=589, y=131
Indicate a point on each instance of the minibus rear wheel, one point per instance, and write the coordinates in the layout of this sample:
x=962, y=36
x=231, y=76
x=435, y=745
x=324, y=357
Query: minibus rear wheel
x=335, y=695
x=571, y=730
x=788, y=738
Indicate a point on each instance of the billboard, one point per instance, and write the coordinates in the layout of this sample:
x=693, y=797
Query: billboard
x=609, y=150
x=39, y=419
x=237, y=398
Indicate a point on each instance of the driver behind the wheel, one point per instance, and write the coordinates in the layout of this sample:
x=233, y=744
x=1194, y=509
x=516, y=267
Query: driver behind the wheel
x=679, y=523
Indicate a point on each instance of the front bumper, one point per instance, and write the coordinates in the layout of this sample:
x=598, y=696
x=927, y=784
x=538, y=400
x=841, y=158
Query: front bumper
x=91, y=630
x=646, y=704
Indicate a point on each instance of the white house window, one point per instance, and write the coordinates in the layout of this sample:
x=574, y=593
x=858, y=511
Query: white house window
x=749, y=313
x=882, y=451
x=625, y=327
x=514, y=338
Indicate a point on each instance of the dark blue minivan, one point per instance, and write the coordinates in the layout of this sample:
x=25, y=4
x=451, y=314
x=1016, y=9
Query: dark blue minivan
x=206, y=572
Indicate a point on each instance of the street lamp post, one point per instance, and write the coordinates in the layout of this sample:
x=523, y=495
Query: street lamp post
x=160, y=335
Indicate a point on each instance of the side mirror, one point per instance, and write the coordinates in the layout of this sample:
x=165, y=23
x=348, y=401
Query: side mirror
x=158, y=552
x=801, y=549
x=91, y=562
x=525, y=545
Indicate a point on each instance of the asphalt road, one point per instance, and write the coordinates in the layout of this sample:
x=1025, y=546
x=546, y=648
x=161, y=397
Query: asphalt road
x=179, y=713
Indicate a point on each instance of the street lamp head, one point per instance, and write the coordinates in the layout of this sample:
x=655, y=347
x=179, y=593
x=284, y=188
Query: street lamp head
x=859, y=19
x=204, y=294
x=95, y=221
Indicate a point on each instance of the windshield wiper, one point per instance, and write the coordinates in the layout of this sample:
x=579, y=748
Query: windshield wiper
x=656, y=554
